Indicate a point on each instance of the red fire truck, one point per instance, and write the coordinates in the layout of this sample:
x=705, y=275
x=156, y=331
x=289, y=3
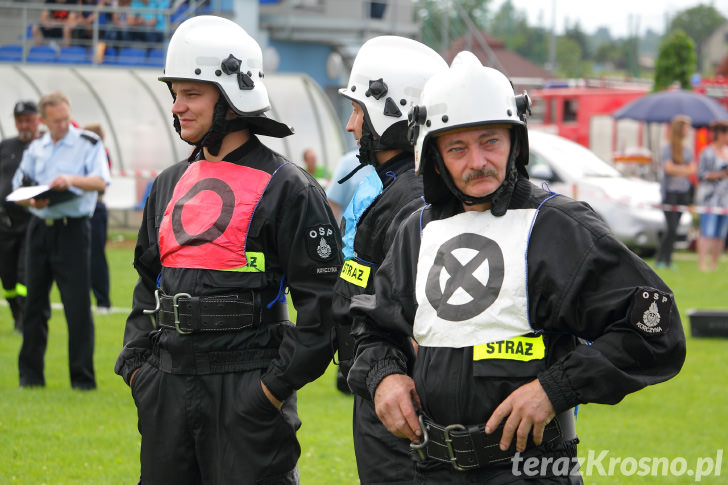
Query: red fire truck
x=568, y=111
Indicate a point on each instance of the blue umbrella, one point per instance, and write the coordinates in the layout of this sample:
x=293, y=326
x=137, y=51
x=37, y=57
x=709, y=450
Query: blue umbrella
x=662, y=106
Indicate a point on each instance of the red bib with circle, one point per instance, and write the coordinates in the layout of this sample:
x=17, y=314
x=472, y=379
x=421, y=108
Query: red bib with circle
x=206, y=223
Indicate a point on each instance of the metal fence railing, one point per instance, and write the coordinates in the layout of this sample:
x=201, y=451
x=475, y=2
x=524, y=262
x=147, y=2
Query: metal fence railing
x=101, y=42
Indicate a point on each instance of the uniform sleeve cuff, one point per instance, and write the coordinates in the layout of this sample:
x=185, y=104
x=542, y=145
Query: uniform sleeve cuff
x=126, y=366
x=558, y=389
x=277, y=387
x=381, y=370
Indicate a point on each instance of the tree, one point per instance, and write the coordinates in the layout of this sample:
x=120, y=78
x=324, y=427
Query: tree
x=568, y=59
x=675, y=61
x=536, y=45
x=698, y=23
x=613, y=54
x=441, y=22
x=508, y=25
x=575, y=33
x=511, y=26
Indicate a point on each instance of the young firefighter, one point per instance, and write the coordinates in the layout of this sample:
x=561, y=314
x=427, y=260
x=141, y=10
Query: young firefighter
x=224, y=236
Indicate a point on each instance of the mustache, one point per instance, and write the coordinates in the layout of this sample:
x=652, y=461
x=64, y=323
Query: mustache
x=483, y=172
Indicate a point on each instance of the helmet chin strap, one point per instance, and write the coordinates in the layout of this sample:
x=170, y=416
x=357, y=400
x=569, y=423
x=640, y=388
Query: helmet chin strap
x=212, y=140
x=394, y=138
x=367, y=146
x=367, y=151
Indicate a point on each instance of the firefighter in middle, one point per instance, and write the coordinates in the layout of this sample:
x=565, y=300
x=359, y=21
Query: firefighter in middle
x=386, y=79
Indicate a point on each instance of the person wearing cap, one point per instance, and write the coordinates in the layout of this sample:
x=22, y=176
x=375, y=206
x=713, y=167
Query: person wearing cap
x=13, y=217
x=210, y=355
x=385, y=81
x=499, y=282
x=72, y=164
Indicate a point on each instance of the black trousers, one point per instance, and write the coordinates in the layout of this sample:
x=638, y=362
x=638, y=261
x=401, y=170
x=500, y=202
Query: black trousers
x=381, y=457
x=667, y=243
x=99, y=265
x=58, y=251
x=214, y=428
x=12, y=269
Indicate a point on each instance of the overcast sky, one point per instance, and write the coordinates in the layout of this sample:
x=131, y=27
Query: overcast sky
x=614, y=14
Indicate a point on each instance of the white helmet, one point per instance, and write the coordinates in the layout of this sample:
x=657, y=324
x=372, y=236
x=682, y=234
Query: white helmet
x=217, y=50
x=466, y=95
x=386, y=79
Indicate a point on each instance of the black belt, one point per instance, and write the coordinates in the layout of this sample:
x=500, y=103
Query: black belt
x=468, y=447
x=188, y=314
x=60, y=221
x=203, y=363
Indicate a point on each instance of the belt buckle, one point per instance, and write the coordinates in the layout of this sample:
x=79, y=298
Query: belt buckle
x=157, y=308
x=419, y=447
x=448, y=442
x=175, y=309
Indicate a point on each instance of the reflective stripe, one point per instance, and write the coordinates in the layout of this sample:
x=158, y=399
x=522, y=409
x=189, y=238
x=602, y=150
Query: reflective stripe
x=256, y=263
x=355, y=273
x=21, y=289
x=516, y=348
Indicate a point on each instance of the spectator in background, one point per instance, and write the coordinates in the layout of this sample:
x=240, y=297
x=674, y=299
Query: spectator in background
x=56, y=22
x=713, y=192
x=677, y=189
x=82, y=30
x=339, y=192
x=148, y=20
x=119, y=29
x=319, y=172
x=99, y=229
x=71, y=162
x=14, y=218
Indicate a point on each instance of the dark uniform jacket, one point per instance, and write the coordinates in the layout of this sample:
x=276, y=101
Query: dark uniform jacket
x=13, y=217
x=581, y=283
x=289, y=223
x=401, y=195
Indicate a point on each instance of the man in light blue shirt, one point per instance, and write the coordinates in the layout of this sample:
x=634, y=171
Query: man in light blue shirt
x=72, y=163
x=340, y=195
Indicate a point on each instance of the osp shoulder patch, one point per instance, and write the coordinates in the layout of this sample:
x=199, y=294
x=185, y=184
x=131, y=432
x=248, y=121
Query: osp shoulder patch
x=651, y=311
x=321, y=242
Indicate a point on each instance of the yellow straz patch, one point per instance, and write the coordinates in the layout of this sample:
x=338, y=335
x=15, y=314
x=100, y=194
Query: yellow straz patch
x=517, y=348
x=355, y=273
x=256, y=263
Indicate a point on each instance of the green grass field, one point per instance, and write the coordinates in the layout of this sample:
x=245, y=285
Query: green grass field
x=59, y=436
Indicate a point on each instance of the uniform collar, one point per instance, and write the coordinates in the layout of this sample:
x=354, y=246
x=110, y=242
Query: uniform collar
x=69, y=139
x=394, y=166
x=239, y=153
